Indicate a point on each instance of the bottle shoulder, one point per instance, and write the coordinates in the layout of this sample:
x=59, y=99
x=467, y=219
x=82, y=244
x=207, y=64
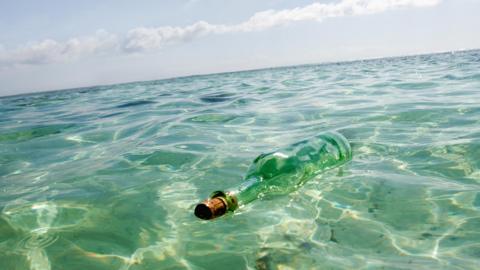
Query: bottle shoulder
x=271, y=164
x=296, y=155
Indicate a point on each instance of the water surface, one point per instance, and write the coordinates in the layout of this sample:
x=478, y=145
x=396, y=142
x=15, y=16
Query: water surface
x=107, y=177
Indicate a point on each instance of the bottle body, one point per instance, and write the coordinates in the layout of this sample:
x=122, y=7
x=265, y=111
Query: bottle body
x=284, y=170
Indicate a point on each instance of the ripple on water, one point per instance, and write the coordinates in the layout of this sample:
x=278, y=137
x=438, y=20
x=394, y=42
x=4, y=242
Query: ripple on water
x=212, y=118
x=37, y=241
x=34, y=132
x=173, y=160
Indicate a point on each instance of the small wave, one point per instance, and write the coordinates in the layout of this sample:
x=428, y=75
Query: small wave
x=35, y=132
x=111, y=115
x=135, y=103
x=459, y=78
x=416, y=85
x=215, y=98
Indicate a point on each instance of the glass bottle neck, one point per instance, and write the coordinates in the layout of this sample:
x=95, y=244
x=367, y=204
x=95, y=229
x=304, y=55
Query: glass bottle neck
x=248, y=191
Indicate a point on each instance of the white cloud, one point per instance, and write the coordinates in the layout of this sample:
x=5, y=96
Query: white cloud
x=318, y=12
x=142, y=38
x=153, y=38
x=49, y=50
x=148, y=39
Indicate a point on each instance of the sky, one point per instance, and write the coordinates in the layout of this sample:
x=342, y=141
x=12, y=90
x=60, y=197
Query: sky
x=57, y=44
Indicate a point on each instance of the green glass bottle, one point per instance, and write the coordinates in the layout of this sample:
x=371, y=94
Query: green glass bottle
x=280, y=172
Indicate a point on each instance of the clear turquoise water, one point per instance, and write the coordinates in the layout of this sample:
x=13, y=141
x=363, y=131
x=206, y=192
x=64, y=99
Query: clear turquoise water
x=107, y=177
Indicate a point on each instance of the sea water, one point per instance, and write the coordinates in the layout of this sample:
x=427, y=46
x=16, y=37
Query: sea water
x=107, y=177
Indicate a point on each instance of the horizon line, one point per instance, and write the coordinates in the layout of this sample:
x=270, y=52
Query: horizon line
x=237, y=71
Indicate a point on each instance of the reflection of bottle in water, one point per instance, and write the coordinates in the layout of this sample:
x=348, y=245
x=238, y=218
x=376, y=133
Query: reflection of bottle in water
x=280, y=172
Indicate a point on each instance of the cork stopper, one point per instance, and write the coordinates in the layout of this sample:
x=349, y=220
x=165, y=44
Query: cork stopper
x=211, y=208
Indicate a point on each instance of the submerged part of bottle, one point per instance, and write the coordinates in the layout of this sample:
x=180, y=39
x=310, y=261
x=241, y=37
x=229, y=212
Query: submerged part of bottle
x=280, y=172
